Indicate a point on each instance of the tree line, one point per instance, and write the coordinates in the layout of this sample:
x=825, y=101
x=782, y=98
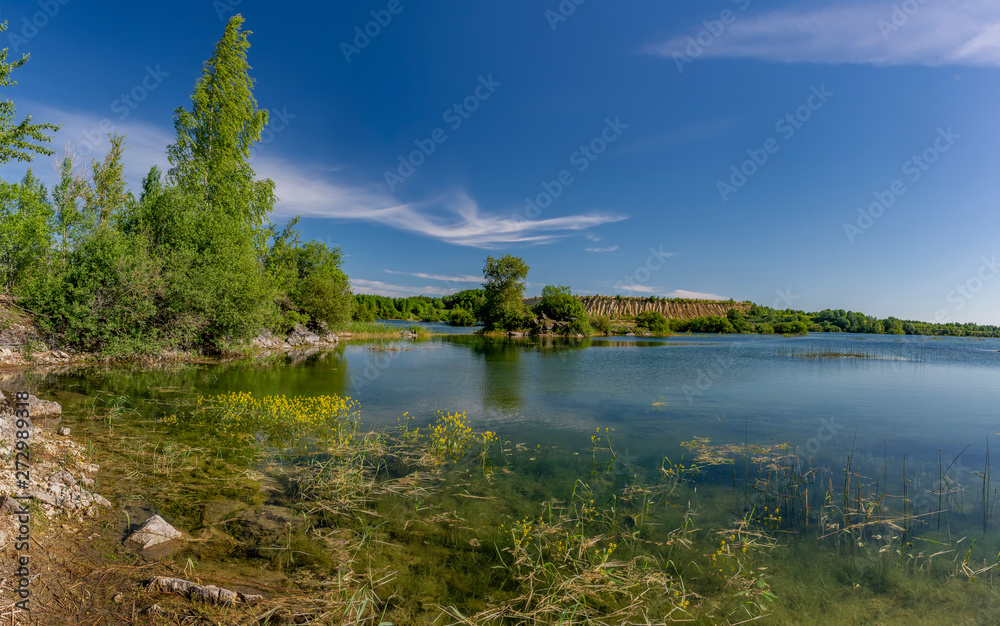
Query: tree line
x=499, y=306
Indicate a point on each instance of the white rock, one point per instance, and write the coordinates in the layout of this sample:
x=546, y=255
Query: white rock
x=63, y=477
x=63, y=431
x=153, y=532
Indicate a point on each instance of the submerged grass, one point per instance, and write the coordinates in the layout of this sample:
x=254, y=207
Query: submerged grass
x=441, y=524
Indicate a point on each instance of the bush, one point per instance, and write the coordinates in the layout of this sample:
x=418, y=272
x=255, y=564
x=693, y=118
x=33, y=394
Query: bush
x=765, y=329
x=559, y=304
x=791, y=328
x=601, y=323
x=579, y=326
x=461, y=317
x=652, y=321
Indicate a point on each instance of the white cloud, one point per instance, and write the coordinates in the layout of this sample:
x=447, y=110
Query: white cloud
x=379, y=288
x=454, y=218
x=87, y=136
x=639, y=288
x=936, y=33
x=694, y=295
x=313, y=192
x=464, y=278
x=593, y=237
x=602, y=250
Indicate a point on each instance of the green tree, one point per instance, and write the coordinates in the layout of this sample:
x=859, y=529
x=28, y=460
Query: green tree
x=212, y=220
x=110, y=194
x=503, y=301
x=558, y=303
x=652, y=321
x=70, y=197
x=22, y=140
x=321, y=289
x=461, y=317
x=25, y=236
x=211, y=157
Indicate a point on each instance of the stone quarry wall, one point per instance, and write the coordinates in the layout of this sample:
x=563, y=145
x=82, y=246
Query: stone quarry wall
x=620, y=308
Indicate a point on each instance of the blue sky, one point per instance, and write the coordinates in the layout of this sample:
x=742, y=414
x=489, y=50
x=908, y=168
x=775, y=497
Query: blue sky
x=805, y=154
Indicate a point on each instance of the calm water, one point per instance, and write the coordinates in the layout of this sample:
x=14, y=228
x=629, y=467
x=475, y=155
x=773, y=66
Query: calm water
x=881, y=401
x=929, y=399
x=896, y=395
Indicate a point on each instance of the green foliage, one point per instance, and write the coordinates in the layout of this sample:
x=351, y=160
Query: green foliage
x=211, y=157
x=652, y=321
x=23, y=140
x=710, y=324
x=471, y=300
x=601, y=323
x=559, y=303
x=25, y=236
x=103, y=297
x=315, y=287
x=461, y=317
x=503, y=307
x=109, y=196
x=791, y=328
x=579, y=326
x=190, y=264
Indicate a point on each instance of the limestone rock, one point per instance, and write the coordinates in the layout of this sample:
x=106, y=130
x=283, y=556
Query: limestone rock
x=9, y=505
x=62, y=477
x=153, y=532
x=301, y=336
x=63, y=431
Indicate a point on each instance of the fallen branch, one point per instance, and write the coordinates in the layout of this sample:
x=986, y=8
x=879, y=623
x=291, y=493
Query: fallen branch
x=209, y=593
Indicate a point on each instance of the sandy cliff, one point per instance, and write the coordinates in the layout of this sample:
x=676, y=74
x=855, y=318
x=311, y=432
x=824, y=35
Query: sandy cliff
x=619, y=308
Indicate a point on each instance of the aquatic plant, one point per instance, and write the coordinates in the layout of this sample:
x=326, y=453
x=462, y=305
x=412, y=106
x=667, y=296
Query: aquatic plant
x=279, y=422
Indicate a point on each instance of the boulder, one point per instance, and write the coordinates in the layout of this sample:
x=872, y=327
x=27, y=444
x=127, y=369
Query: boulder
x=301, y=336
x=153, y=532
x=62, y=477
x=11, y=506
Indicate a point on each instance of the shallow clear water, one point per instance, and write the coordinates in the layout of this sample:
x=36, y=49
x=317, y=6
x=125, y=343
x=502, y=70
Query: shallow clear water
x=877, y=401
x=896, y=395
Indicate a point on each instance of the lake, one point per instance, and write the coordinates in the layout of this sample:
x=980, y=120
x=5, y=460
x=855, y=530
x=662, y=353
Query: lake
x=861, y=441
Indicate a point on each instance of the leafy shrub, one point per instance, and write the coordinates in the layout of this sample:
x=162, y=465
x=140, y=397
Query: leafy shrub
x=461, y=317
x=558, y=303
x=601, y=323
x=791, y=328
x=579, y=326
x=652, y=321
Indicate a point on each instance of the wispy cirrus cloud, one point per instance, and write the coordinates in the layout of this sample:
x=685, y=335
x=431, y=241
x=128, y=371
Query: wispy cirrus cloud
x=640, y=288
x=693, y=295
x=455, y=218
x=315, y=191
x=464, y=278
x=927, y=32
x=379, y=288
x=602, y=250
